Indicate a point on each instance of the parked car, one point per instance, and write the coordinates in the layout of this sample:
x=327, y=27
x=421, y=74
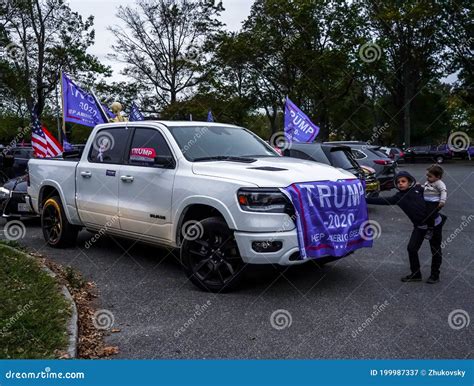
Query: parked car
x=464, y=154
x=14, y=200
x=21, y=156
x=212, y=190
x=339, y=156
x=370, y=179
x=469, y=153
x=436, y=153
x=373, y=157
x=394, y=153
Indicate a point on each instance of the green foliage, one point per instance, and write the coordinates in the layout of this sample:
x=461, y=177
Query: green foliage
x=182, y=62
x=74, y=278
x=43, y=38
x=77, y=133
x=430, y=117
x=34, y=312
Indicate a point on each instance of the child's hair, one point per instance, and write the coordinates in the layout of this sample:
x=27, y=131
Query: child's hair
x=436, y=170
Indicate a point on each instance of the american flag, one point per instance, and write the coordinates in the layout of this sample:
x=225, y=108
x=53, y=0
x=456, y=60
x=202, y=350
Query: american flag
x=43, y=142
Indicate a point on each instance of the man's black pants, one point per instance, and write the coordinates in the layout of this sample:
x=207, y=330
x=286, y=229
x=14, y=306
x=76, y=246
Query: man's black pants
x=414, y=245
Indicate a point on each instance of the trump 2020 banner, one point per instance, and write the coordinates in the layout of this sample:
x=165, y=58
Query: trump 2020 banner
x=298, y=127
x=106, y=109
x=80, y=106
x=135, y=113
x=331, y=217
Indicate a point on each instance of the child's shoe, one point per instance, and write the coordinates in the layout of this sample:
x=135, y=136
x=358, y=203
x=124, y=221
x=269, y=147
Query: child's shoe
x=412, y=277
x=433, y=279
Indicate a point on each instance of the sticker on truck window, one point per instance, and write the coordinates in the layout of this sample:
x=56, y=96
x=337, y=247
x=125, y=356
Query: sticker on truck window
x=143, y=154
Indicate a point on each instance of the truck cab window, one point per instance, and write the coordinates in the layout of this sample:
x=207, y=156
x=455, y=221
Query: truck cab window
x=147, y=145
x=109, y=145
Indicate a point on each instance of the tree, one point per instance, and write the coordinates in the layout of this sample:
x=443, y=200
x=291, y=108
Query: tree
x=458, y=28
x=42, y=38
x=301, y=49
x=164, y=44
x=123, y=92
x=230, y=81
x=409, y=37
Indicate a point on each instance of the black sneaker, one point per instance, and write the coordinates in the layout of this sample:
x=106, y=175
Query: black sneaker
x=411, y=277
x=429, y=234
x=433, y=279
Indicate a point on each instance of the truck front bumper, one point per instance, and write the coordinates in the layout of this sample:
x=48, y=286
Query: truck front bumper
x=288, y=254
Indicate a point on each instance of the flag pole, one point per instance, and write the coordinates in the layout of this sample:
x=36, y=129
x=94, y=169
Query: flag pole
x=62, y=105
x=58, y=124
x=104, y=115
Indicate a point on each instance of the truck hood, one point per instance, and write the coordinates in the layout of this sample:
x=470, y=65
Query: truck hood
x=275, y=172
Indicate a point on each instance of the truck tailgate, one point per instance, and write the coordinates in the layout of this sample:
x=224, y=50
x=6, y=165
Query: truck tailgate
x=57, y=173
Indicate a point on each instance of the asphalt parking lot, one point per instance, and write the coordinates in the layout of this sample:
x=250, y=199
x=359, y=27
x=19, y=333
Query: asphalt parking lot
x=321, y=312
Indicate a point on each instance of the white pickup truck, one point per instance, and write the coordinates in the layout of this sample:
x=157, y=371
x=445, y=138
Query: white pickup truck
x=210, y=189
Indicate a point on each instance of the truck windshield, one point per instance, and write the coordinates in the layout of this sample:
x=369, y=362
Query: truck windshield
x=216, y=143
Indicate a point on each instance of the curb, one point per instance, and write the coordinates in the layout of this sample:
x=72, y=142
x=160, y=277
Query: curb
x=72, y=328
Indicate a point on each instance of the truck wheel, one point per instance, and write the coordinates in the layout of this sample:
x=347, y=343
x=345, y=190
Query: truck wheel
x=57, y=230
x=210, y=256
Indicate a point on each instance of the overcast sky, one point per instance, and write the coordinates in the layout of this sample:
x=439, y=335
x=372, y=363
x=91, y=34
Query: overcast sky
x=236, y=11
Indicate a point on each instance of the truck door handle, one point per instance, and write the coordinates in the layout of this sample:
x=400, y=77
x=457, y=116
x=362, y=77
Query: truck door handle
x=86, y=174
x=127, y=178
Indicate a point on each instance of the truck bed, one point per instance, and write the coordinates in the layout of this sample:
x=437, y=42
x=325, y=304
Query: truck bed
x=57, y=172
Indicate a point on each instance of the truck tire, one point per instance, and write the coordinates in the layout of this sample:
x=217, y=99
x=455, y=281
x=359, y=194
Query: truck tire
x=210, y=256
x=57, y=230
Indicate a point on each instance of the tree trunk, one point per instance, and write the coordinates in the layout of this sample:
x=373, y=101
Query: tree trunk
x=407, y=97
x=172, y=97
x=273, y=119
x=406, y=123
x=323, y=125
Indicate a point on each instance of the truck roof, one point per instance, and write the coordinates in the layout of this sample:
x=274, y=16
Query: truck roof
x=177, y=123
x=192, y=123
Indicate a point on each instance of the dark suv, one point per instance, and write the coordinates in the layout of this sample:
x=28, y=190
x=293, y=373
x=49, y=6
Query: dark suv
x=430, y=153
x=337, y=156
x=21, y=156
x=372, y=156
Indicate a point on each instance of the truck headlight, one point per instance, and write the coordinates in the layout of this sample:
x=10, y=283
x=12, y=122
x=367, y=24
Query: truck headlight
x=263, y=200
x=4, y=193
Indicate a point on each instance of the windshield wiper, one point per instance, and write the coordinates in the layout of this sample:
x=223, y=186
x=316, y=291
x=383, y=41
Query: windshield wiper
x=226, y=158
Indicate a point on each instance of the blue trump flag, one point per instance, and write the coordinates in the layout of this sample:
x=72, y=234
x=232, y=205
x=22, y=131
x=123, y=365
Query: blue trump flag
x=80, y=106
x=109, y=113
x=210, y=118
x=298, y=127
x=66, y=145
x=331, y=217
x=135, y=114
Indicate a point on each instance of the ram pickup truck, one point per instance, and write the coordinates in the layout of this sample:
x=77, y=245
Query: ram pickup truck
x=209, y=189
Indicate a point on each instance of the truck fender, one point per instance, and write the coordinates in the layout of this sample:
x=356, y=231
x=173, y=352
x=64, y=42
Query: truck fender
x=72, y=218
x=184, y=205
